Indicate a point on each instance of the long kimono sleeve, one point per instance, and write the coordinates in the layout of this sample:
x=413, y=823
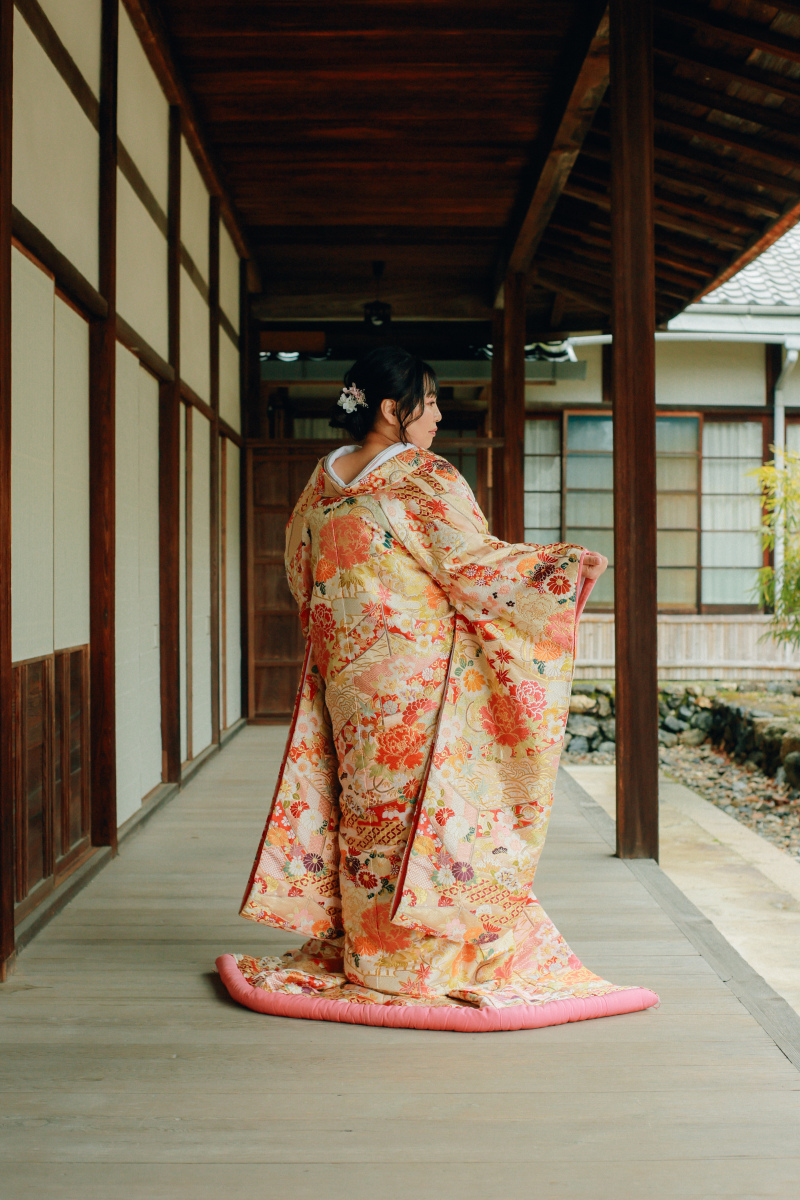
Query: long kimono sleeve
x=488, y=581
x=481, y=820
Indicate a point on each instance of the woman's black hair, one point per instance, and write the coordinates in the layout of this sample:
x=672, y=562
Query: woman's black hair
x=386, y=373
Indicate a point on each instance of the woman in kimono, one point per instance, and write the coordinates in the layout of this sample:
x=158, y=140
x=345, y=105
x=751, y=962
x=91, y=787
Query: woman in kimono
x=413, y=799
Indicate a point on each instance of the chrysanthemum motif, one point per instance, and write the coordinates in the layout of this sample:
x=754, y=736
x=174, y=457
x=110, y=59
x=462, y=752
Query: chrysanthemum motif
x=351, y=398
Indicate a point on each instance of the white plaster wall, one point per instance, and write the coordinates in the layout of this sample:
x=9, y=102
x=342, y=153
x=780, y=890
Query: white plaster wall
x=77, y=23
x=70, y=479
x=129, y=793
x=201, y=583
x=575, y=391
x=149, y=615
x=233, y=649
x=228, y=277
x=141, y=269
x=195, y=367
x=194, y=211
x=182, y=588
x=142, y=111
x=229, y=406
x=791, y=389
x=694, y=373
x=55, y=176
x=32, y=314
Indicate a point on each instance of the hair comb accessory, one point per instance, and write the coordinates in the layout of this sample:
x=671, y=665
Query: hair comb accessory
x=351, y=398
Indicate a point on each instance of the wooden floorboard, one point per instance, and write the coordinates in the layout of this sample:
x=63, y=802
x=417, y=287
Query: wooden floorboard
x=126, y=1071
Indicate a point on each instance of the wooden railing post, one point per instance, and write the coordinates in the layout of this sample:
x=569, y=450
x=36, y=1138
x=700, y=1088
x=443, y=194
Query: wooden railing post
x=633, y=386
x=514, y=406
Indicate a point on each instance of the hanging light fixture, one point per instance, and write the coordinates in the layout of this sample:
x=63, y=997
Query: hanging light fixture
x=376, y=313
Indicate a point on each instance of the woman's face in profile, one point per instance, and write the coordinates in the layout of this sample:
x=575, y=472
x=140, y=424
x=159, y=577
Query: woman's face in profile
x=422, y=430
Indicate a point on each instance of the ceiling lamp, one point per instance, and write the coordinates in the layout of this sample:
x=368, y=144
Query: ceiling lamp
x=376, y=313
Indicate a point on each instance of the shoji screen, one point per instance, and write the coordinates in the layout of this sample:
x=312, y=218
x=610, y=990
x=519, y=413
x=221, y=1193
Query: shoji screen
x=194, y=276
x=201, y=583
x=731, y=511
x=186, y=417
x=229, y=407
x=543, y=481
x=143, y=125
x=232, y=681
x=138, y=674
x=70, y=479
x=55, y=177
x=33, y=304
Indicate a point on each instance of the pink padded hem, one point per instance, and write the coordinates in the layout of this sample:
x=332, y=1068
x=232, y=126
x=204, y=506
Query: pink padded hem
x=412, y=1016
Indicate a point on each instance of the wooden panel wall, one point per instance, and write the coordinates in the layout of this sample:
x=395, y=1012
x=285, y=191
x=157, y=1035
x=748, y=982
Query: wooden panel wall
x=232, y=676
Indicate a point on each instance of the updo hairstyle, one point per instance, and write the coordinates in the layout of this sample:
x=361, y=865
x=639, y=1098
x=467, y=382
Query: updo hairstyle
x=386, y=373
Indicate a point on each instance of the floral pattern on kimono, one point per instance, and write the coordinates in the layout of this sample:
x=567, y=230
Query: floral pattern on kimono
x=412, y=804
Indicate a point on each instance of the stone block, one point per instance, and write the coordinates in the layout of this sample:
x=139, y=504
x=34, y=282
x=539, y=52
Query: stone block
x=791, y=766
x=675, y=725
x=609, y=728
x=692, y=737
x=665, y=738
x=579, y=745
x=603, y=708
x=686, y=712
x=702, y=720
x=582, y=726
x=606, y=748
x=790, y=741
x=582, y=704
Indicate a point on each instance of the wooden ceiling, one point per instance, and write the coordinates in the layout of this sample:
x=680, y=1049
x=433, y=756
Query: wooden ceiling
x=449, y=138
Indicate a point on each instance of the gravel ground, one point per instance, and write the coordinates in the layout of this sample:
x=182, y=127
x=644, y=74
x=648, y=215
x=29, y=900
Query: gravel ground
x=768, y=808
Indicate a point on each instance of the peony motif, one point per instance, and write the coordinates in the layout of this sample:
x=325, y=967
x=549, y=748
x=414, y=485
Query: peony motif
x=503, y=719
x=346, y=540
x=401, y=746
x=532, y=696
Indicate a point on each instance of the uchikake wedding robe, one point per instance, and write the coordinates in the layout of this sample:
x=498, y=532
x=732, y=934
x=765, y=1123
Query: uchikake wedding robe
x=414, y=795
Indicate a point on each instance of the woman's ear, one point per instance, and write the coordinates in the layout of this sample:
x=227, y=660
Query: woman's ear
x=387, y=410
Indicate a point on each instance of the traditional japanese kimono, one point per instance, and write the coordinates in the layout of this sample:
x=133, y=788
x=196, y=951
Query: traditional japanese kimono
x=413, y=799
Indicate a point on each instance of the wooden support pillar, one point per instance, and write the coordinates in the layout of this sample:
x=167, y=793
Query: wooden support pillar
x=6, y=759
x=169, y=481
x=514, y=406
x=497, y=428
x=102, y=444
x=249, y=392
x=214, y=491
x=633, y=386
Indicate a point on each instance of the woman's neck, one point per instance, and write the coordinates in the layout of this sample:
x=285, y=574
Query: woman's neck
x=350, y=465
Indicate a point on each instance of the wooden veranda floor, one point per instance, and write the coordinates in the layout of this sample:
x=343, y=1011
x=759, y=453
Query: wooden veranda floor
x=125, y=1072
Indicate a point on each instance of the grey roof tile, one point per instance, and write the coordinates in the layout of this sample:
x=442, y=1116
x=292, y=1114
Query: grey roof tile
x=773, y=278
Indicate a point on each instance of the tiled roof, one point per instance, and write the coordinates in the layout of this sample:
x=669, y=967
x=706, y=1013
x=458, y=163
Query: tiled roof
x=773, y=278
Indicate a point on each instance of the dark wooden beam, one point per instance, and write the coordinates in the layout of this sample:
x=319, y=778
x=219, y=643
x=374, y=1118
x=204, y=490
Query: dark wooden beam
x=169, y=476
x=674, y=176
x=602, y=199
x=750, y=33
x=579, y=92
x=633, y=388
x=149, y=26
x=785, y=156
x=732, y=70
x=514, y=296
x=149, y=357
x=557, y=281
x=7, y=940
x=68, y=278
x=102, y=461
x=249, y=392
x=747, y=110
x=214, y=463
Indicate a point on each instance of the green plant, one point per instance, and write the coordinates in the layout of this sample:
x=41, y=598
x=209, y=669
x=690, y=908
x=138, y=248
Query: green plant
x=779, y=591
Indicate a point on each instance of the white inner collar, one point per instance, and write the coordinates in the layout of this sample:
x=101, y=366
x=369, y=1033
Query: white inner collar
x=377, y=461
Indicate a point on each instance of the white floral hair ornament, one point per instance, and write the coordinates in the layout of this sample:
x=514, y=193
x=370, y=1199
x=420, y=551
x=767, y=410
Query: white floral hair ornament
x=352, y=398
